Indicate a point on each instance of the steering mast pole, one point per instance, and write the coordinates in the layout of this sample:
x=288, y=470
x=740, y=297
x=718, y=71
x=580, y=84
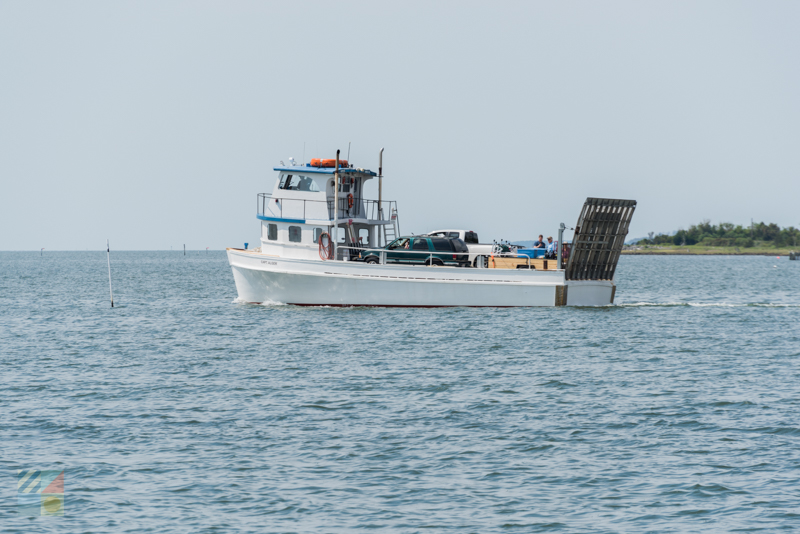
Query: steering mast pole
x=380, y=196
x=336, y=206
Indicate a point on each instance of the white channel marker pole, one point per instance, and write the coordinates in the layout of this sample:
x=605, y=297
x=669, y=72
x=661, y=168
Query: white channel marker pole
x=108, y=256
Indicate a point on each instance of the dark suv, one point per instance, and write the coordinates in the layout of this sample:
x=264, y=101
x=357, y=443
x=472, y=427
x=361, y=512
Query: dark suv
x=422, y=250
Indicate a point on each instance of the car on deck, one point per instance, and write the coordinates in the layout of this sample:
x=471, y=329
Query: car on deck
x=422, y=250
x=469, y=237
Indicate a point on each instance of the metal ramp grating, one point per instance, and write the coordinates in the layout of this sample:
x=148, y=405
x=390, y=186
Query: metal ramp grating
x=599, y=236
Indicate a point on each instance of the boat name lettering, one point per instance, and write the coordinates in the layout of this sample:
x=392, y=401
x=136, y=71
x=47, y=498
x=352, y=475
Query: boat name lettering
x=269, y=262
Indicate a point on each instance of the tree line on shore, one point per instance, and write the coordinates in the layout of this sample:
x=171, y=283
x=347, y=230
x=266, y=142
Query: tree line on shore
x=727, y=235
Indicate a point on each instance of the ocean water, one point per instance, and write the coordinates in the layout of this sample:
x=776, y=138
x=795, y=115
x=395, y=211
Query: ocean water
x=180, y=410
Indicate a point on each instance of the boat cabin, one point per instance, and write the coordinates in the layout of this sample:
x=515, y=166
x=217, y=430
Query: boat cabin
x=305, y=204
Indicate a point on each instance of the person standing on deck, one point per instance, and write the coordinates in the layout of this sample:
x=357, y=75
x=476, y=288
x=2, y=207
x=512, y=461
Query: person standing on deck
x=540, y=243
x=552, y=248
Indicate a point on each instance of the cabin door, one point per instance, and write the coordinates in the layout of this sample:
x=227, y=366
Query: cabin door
x=349, y=206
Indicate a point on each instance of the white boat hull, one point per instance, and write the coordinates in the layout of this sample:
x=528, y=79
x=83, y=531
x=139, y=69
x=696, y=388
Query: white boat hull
x=261, y=278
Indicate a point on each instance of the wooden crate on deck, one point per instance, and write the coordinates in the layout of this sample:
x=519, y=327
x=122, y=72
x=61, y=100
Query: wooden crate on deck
x=540, y=264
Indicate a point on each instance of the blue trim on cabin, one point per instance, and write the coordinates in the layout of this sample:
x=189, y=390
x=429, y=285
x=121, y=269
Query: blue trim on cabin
x=278, y=219
x=308, y=169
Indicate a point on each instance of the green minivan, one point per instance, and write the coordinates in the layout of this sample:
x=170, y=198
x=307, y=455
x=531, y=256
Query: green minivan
x=422, y=251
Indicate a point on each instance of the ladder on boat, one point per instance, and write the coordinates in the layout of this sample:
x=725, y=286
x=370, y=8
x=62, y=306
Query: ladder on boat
x=390, y=233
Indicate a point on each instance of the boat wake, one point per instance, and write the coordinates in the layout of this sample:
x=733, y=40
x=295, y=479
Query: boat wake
x=239, y=300
x=272, y=303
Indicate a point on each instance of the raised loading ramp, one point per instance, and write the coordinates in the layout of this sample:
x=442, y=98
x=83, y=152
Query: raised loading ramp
x=599, y=236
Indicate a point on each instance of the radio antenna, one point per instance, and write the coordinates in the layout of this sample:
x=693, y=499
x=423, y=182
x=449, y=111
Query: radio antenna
x=303, y=161
x=348, y=152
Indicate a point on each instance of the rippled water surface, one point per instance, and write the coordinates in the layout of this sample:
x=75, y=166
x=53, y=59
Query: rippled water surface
x=180, y=410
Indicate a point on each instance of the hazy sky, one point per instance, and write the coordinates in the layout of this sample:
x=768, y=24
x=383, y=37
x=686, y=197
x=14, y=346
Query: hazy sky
x=156, y=124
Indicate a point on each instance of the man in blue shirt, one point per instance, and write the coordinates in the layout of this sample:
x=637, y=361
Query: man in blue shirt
x=540, y=243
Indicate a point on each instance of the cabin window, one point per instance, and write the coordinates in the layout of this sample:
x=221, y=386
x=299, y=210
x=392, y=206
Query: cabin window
x=420, y=244
x=317, y=233
x=272, y=232
x=295, y=234
x=308, y=184
x=441, y=245
x=297, y=182
x=363, y=237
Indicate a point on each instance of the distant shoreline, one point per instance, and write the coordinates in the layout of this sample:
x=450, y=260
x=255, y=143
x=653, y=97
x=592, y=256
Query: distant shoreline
x=626, y=253
x=706, y=251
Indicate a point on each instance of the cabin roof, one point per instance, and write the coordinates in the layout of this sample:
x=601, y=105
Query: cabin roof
x=308, y=169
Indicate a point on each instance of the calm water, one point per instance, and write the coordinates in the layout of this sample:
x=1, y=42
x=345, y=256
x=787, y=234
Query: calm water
x=182, y=411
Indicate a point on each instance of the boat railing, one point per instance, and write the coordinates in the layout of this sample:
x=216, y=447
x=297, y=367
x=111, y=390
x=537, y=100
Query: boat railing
x=381, y=253
x=261, y=205
x=294, y=208
x=363, y=208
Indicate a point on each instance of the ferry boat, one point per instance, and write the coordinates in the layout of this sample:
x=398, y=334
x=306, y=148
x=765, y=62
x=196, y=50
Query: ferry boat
x=317, y=226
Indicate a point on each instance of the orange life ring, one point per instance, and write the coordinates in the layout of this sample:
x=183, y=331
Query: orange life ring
x=350, y=200
x=316, y=162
